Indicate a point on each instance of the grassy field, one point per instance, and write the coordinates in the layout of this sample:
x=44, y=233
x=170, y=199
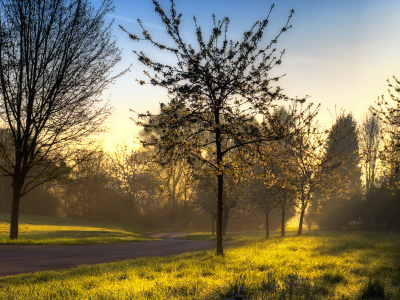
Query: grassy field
x=243, y=237
x=62, y=231
x=315, y=266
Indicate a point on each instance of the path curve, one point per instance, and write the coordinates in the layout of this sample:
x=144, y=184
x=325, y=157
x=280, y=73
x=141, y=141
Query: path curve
x=18, y=259
x=167, y=235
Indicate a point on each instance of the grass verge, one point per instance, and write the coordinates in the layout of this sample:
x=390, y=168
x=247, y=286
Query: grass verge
x=315, y=266
x=40, y=230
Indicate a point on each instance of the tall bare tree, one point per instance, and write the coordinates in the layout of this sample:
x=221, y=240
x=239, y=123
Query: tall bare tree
x=135, y=181
x=369, y=137
x=315, y=162
x=217, y=90
x=260, y=194
x=55, y=62
x=389, y=113
x=87, y=184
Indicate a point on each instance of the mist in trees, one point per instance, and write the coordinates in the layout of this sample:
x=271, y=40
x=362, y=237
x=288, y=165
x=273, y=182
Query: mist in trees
x=86, y=185
x=372, y=200
x=221, y=155
x=126, y=185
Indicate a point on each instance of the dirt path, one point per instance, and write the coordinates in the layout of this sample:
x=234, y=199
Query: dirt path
x=167, y=235
x=17, y=259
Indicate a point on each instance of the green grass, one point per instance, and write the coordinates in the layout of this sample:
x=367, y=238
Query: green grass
x=41, y=230
x=318, y=265
x=244, y=237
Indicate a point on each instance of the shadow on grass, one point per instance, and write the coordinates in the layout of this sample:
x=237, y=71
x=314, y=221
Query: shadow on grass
x=77, y=233
x=72, y=237
x=26, y=220
x=345, y=242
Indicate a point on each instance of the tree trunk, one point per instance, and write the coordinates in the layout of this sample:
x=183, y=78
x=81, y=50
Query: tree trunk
x=184, y=214
x=283, y=222
x=301, y=222
x=225, y=220
x=134, y=211
x=304, y=202
x=174, y=202
x=183, y=218
x=213, y=219
x=15, y=210
x=218, y=144
x=220, y=249
x=266, y=225
x=173, y=211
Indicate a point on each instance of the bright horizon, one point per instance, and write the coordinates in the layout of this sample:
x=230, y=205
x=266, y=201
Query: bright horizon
x=338, y=52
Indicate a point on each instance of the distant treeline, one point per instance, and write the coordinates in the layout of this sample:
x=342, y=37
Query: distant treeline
x=379, y=209
x=51, y=200
x=126, y=186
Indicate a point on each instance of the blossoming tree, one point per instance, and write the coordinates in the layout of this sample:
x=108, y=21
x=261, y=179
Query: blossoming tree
x=216, y=91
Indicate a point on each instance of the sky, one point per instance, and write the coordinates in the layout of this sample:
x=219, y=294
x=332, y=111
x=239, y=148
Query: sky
x=338, y=52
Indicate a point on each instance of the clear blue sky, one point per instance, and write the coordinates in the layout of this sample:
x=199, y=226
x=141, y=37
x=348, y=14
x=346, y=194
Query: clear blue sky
x=339, y=52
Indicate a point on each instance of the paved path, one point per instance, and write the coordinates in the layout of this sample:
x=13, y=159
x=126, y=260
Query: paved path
x=17, y=259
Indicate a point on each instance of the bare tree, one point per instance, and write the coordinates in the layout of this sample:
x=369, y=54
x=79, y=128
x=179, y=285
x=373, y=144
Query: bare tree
x=261, y=196
x=179, y=183
x=55, y=62
x=269, y=191
x=134, y=179
x=216, y=91
x=204, y=198
x=389, y=113
x=315, y=162
x=87, y=184
x=280, y=166
x=369, y=137
x=310, y=218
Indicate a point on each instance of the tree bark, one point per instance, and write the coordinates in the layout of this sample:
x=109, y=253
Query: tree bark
x=304, y=202
x=225, y=220
x=283, y=222
x=17, y=186
x=220, y=249
x=218, y=144
x=266, y=225
x=299, y=232
x=183, y=218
